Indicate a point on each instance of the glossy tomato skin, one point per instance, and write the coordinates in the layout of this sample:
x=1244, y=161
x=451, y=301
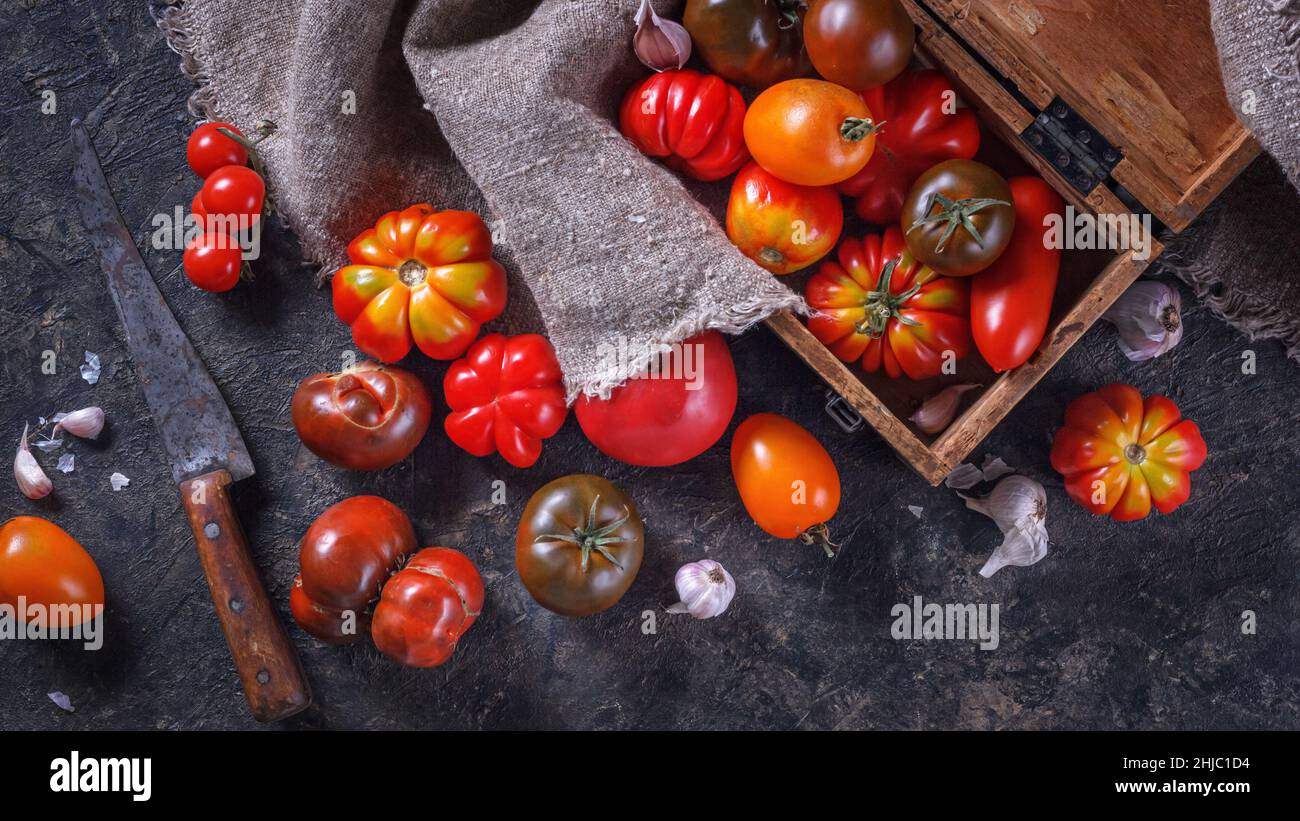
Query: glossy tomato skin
x=845, y=294
x=810, y=132
x=1120, y=454
x=506, y=395
x=781, y=226
x=922, y=129
x=208, y=149
x=327, y=624
x=1011, y=300
x=751, y=42
x=426, y=607
x=786, y=479
x=858, y=44
x=669, y=419
x=551, y=569
x=693, y=121
x=233, y=190
x=44, y=565
x=962, y=254
x=212, y=261
x=420, y=276
x=368, y=417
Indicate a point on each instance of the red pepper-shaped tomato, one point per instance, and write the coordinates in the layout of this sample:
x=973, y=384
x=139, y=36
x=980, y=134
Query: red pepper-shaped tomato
x=1011, y=300
x=691, y=120
x=426, y=607
x=922, y=127
x=366, y=418
x=782, y=226
x=911, y=322
x=421, y=275
x=1119, y=454
x=506, y=396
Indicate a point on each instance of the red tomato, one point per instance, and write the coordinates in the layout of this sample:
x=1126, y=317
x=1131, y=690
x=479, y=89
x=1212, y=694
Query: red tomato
x=208, y=149
x=782, y=226
x=670, y=415
x=426, y=607
x=907, y=326
x=346, y=556
x=1011, y=300
x=858, y=43
x=212, y=261
x=233, y=190
x=506, y=396
x=368, y=417
x=786, y=479
x=40, y=562
x=920, y=128
x=1119, y=454
x=695, y=121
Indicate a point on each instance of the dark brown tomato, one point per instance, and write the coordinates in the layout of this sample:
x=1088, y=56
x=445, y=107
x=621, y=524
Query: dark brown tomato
x=958, y=217
x=579, y=545
x=350, y=551
x=755, y=43
x=859, y=44
x=365, y=418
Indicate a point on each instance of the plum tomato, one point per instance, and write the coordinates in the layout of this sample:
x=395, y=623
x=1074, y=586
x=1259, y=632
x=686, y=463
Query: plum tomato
x=691, y=120
x=858, y=44
x=670, y=415
x=44, y=565
x=810, y=132
x=779, y=225
x=426, y=607
x=208, y=149
x=367, y=417
x=579, y=545
x=958, y=217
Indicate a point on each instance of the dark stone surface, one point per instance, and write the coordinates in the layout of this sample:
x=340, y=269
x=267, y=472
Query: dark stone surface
x=1121, y=626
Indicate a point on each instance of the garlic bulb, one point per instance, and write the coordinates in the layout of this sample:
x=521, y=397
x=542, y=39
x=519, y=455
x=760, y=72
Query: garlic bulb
x=705, y=588
x=937, y=412
x=86, y=423
x=1148, y=317
x=660, y=44
x=1018, y=506
x=32, y=481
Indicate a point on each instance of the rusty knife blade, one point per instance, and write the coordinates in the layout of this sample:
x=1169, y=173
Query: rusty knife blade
x=193, y=420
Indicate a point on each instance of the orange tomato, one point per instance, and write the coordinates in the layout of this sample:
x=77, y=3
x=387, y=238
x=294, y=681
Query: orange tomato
x=782, y=227
x=810, y=132
x=42, y=563
x=786, y=479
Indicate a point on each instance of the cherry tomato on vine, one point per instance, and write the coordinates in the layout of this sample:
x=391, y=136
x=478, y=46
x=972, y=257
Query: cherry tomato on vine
x=859, y=44
x=958, y=217
x=810, y=132
x=233, y=190
x=426, y=607
x=40, y=562
x=208, y=149
x=691, y=120
x=779, y=225
x=212, y=261
x=367, y=417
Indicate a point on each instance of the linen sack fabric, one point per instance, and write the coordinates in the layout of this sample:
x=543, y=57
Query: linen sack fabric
x=503, y=107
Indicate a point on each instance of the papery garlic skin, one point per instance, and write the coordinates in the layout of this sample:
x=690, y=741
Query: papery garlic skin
x=705, y=588
x=1022, y=547
x=660, y=44
x=1018, y=506
x=85, y=423
x=32, y=481
x=937, y=412
x=1148, y=317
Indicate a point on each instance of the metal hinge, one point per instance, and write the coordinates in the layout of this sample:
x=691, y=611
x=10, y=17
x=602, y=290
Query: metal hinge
x=1073, y=147
x=843, y=413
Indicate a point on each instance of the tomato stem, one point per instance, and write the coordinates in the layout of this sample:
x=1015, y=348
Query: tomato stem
x=955, y=214
x=820, y=535
x=882, y=305
x=592, y=536
x=857, y=129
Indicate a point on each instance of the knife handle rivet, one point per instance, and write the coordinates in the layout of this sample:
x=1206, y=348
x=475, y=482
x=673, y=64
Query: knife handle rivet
x=211, y=530
x=236, y=606
x=263, y=677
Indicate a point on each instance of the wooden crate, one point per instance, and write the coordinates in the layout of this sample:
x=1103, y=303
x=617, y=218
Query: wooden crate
x=1144, y=76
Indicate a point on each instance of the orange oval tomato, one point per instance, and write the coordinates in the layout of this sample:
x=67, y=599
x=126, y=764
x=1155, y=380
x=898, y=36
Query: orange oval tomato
x=420, y=275
x=810, y=132
x=786, y=479
x=781, y=226
x=40, y=562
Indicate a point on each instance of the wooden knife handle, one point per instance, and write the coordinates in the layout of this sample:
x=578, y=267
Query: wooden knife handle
x=267, y=662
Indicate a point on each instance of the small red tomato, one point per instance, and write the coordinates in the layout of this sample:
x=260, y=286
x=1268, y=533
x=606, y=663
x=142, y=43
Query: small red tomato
x=212, y=261
x=368, y=417
x=1120, y=453
x=506, y=396
x=208, y=149
x=786, y=479
x=426, y=607
x=782, y=226
x=196, y=207
x=233, y=190
x=692, y=120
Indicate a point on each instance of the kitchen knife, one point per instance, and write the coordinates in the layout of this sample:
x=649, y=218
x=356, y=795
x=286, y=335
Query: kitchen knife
x=207, y=453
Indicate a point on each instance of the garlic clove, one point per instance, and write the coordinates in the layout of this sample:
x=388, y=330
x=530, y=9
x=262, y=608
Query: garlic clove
x=937, y=412
x=32, y=481
x=1148, y=317
x=1024, y=545
x=705, y=588
x=85, y=423
x=1014, y=500
x=660, y=44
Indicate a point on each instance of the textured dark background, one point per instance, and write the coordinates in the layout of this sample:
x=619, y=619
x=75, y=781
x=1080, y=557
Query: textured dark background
x=1121, y=626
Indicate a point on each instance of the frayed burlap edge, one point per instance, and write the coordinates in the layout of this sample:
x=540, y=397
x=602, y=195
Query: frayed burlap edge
x=174, y=22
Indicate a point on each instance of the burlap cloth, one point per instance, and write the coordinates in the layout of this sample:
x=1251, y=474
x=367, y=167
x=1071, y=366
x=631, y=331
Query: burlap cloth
x=504, y=107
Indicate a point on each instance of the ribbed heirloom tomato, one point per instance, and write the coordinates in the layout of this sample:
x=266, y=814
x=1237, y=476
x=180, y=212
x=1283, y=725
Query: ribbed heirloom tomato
x=426, y=607
x=420, y=275
x=781, y=226
x=45, y=566
x=1119, y=454
x=876, y=303
x=368, y=417
x=691, y=120
x=810, y=132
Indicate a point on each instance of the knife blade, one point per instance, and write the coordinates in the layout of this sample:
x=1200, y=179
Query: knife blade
x=202, y=442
